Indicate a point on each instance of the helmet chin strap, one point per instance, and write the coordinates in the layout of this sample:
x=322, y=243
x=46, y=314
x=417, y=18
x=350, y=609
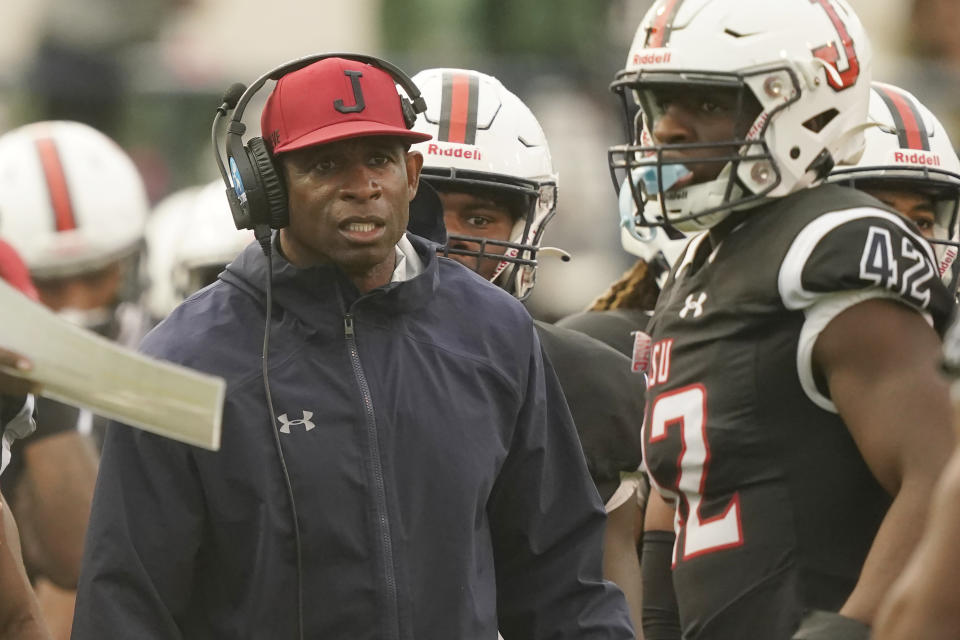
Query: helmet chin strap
x=705, y=196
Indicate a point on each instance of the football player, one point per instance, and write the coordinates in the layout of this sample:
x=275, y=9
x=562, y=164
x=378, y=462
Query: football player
x=73, y=205
x=910, y=165
x=795, y=414
x=490, y=163
x=20, y=615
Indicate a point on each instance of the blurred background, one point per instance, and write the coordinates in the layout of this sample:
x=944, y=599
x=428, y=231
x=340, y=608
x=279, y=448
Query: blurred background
x=149, y=74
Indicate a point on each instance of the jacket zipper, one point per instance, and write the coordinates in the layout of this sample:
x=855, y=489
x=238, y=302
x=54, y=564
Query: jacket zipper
x=376, y=466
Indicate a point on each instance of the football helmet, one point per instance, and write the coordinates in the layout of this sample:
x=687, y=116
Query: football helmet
x=71, y=200
x=802, y=66
x=907, y=147
x=485, y=136
x=190, y=239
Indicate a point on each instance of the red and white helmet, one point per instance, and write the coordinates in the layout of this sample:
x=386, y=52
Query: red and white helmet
x=484, y=135
x=190, y=239
x=806, y=62
x=907, y=146
x=71, y=200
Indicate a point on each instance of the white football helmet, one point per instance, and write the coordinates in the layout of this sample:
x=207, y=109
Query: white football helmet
x=908, y=147
x=71, y=200
x=190, y=239
x=804, y=63
x=485, y=136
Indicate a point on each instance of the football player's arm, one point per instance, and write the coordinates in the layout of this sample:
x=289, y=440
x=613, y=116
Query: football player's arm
x=620, y=562
x=661, y=616
x=52, y=501
x=145, y=530
x=924, y=602
x=547, y=522
x=19, y=612
x=879, y=361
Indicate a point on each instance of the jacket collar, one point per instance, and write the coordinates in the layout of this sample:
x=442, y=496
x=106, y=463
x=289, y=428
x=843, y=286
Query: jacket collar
x=314, y=292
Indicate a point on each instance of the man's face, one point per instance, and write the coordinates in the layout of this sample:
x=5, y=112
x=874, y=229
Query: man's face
x=467, y=214
x=699, y=115
x=912, y=205
x=349, y=204
x=84, y=292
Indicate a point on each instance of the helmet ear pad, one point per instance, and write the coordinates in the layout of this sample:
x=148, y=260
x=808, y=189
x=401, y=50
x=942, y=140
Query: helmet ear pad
x=270, y=178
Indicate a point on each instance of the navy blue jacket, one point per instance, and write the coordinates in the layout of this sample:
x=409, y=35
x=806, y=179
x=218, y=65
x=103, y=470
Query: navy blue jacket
x=440, y=487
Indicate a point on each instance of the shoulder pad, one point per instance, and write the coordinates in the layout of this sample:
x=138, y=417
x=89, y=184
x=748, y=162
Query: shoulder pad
x=860, y=249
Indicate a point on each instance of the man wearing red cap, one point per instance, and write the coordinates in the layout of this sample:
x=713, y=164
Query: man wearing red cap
x=419, y=477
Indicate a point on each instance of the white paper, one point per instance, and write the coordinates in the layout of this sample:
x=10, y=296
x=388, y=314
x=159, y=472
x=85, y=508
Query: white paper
x=80, y=368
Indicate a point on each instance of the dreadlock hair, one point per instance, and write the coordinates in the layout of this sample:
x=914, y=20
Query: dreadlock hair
x=636, y=289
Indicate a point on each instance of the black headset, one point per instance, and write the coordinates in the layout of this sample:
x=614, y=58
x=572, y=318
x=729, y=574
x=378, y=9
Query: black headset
x=255, y=186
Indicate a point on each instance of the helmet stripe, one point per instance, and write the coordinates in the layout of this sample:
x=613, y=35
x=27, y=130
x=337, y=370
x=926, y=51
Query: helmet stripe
x=658, y=34
x=56, y=184
x=906, y=116
x=458, y=111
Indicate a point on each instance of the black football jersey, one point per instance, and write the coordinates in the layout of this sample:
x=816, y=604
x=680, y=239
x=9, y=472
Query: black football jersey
x=776, y=507
x=605, y=399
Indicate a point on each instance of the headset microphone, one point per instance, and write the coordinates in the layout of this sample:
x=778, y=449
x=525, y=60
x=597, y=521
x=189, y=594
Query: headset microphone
x=231, y=96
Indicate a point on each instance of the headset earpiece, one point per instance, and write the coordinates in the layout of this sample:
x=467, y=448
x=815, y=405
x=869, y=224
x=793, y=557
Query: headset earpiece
x=274, y=212
x=409, y=113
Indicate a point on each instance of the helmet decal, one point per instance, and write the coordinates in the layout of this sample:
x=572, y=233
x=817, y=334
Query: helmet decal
x=458, y=111
x=829, y=53
x=911, y=130
x=57, y=188
x=658, y=34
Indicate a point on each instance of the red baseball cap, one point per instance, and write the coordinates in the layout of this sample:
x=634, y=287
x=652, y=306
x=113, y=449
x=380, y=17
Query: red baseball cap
x=333, y=99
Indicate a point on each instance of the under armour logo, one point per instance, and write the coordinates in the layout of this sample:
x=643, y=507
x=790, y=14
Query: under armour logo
x=696, y=306
x=305, y=421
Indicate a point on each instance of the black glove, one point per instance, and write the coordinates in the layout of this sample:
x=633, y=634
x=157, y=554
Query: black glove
x=827, y=625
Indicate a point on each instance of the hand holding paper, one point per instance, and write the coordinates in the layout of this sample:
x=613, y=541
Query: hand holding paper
x=78, y=367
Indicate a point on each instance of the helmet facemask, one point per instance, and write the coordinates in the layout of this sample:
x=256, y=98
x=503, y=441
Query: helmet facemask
x=533, y=204
x=740, y=171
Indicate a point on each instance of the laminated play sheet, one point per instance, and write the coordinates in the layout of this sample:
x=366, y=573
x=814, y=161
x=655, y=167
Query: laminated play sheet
x=80, y=368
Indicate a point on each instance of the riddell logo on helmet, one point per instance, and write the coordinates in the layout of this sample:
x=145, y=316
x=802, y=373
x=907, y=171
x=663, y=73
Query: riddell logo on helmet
x=758, y=126
x=453, y=152
x=655, y=56
x=917, y=157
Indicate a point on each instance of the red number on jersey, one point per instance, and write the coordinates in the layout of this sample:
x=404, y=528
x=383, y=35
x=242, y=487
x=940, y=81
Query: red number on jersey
x=687, y=408
x=829, y=54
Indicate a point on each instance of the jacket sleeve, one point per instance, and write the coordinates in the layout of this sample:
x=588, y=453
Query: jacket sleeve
x=547, y=523
x=145, y=529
